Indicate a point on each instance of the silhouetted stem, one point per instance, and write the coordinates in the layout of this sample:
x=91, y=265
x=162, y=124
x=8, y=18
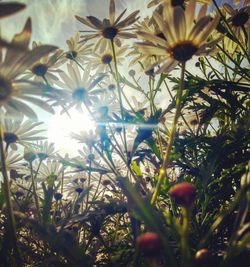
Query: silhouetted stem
x=166, y=160
x=9, y=210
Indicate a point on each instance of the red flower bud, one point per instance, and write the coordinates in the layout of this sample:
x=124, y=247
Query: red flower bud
x=183, y=194
x=204, y=257
x=149, y=243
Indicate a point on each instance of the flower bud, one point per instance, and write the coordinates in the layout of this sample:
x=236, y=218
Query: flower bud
x=183, y=194
x=149, y=243
x=131, y=73
x=29, y=155
x=204, y=257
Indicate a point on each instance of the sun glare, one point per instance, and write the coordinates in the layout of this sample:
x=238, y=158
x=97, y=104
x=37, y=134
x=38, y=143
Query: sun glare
x=61, y=126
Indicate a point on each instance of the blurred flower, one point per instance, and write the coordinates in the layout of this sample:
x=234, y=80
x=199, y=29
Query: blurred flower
x=109, y=84
x=77, y=51
x=74, y=185
x=145, y=60
x=45, y=67
x=20, y=131
x=14, y=94
x=13, y=160
x=174, y=2
x=149, y=243
x=140, y=105
x=108, y=29
x=87, y=154
x=78, y=88
x=44, y=149
x=238, y=19
x=105, y=107
x=184, y=40
x=29, y=155
x=87, y=137
x=183, y=194
x=46, y=171
x=104, y=61
x=50, y=168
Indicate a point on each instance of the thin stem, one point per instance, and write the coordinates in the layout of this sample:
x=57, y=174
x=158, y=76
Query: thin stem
x=119, y=94
x=89, y=179
x=9, y=210
x=186, y=212
x=236, y=64
x=166, y=161
x=34, y=192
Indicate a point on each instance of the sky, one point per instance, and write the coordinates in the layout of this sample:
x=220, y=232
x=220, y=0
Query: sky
x=53, y=21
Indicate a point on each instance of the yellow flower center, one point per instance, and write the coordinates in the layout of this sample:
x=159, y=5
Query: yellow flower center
x=183, y=51
x=6, y=89
x=240, y=19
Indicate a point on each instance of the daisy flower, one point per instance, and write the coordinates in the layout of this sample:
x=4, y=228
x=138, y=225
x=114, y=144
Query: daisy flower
x=13, y=160
x=78, y=88
x=103, y=61
x=105, y=107
x=77, y=51
x=109, y=84
x=184, y=38
x=239, y=18
x=75, y=184
x=50, y=168
x=44, y=149
x=174, y=2
x=87, y=154
x=86, y=137
x=20, y=131
x=14, y=93
x=46, y=170
x=147, y=25
x=108, y=29
x=45, y=67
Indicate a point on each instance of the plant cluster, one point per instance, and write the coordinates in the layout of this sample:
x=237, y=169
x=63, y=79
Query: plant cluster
x=163, y=178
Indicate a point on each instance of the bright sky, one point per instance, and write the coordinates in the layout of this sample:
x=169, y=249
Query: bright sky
x=53, y=20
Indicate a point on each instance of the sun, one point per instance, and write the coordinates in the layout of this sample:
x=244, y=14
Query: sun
x=60, y=127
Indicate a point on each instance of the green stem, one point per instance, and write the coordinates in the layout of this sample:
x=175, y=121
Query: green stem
x=9, y=210
x=166, y=161
x=89, y=181
x=34, y=192
x=186, y=212
x=119, y=95
x=236, y=63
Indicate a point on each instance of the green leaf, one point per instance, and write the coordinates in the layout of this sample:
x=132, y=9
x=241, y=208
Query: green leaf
x=136, y=168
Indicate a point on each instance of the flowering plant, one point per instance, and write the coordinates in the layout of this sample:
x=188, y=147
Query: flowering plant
x=155, y=172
